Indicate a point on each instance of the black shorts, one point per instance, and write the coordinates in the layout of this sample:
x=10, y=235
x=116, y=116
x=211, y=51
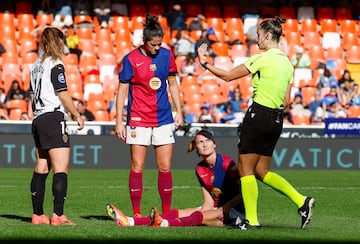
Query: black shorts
x=49, y=131
x=260, y=130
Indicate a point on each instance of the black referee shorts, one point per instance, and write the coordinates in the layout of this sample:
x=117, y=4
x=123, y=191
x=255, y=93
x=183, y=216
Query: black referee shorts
x=49, y=131
x=260, y=130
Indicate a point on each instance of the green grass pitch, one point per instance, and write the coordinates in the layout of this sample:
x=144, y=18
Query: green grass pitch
x=336, y=215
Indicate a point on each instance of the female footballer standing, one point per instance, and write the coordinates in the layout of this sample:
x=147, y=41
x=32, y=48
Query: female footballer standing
x=147, y=73
x=272, y=75
x=51, y=102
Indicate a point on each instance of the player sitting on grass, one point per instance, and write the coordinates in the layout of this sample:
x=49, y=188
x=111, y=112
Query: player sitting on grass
x=219, y=180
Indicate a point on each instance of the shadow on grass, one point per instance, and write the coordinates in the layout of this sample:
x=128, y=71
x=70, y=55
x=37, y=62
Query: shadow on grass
x=97, y=217
x=16, y=217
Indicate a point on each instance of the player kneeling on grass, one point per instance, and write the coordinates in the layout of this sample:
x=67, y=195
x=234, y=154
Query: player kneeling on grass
x=219, y=180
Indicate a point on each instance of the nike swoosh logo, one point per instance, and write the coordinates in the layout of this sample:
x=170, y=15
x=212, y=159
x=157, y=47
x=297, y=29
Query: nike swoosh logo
x=139, y=64
x=168, y=189
x=133, y=190
x=204, y=175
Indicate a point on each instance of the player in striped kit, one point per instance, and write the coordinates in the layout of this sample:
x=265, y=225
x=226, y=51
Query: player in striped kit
x=147, y=73
x=51, y=103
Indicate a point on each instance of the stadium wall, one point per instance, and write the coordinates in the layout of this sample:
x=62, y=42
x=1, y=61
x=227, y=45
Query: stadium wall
x=108, y=152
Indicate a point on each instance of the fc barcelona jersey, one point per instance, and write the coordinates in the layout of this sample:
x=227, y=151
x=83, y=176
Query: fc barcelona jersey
x=148, y=101
x=221, y=181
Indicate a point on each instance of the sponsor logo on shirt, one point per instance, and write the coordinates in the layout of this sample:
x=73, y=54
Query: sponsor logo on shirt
x=155, y=83
x=61, y=78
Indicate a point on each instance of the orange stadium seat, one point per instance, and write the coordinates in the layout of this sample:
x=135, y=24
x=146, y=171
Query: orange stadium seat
x=268, y=11
x=43, y=19
x=103, y=34
x=353, y=54
x=293, y=38
x=10, y=58
x=215, y=98
x=308, y=94
x=15, y=114
x=215, y=22
x=347, y=25
x=137, y=9
x=84, y=33
x=238, y=50
x=309, y=25
x=7, y=32
x=316, y=52
x=25, y=24
x=291, y=25
x=349, y=39
x=137, y=22
x=233, y=24
x=189, y=89
x=328, y=25
x=3, y=113
x=28, y=45
x=8, y=19
x=310, y=39
x=209, y=89
x=343, y=13
x=288, y=12
x=300, y=119
x=81, y=18
x=29, y=58
x=10, y=45
x=120, y=22
x=156, y=9
x=94, y=106
x=70, y=58
x=236, y=35
x=212, y=11
x=101, y=115
x=220, y=48
x=87, y=46
x=122, y=48
x=122, y=35
x=23, y=7
x=87, y=62
x=223, y=62
x=231, y=11
x=335, y=53
x=104, y=48
x=193, y=9
x=325, y=13
x=354, y=111
x=188, y=80
x=17, y=104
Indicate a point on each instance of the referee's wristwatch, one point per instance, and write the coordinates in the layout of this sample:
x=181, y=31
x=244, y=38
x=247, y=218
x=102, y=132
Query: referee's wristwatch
x=204, y=64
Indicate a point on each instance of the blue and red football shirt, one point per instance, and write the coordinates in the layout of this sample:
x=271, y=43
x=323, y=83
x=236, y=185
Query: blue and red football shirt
x=222, y=181
x=148, y=101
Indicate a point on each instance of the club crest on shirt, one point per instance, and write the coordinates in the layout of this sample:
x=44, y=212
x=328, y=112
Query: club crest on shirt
x=61, y=78
x=65, y=138
x=155, y=83
x=152, y=67
x=133, y=132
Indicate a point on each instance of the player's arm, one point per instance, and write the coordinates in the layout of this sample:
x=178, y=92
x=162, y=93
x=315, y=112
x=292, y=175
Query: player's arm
x=175, y=95
x=208, y=201
x=69, y=105
x=120, y=104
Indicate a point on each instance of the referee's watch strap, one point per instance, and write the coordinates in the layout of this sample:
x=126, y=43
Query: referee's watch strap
x=204, y=65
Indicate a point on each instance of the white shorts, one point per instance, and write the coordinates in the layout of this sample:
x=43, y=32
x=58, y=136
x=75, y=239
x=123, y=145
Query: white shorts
x=150, y=135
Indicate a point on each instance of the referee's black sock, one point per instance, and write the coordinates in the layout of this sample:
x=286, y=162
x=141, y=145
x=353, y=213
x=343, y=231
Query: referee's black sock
x=37, y=188
x=59, y=189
